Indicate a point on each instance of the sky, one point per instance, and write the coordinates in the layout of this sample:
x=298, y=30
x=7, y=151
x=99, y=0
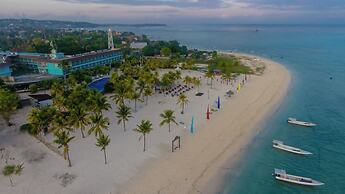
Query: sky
x=180, y=11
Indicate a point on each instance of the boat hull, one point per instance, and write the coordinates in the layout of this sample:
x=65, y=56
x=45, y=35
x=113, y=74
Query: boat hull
x=302, y=152
x=299, y=182
x=300, y=123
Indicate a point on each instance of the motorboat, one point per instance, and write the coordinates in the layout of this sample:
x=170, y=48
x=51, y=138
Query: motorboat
x=280, y=145
x=283, y=176
x=301, y=123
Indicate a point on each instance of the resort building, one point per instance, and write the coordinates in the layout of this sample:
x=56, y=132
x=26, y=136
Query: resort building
x=5, y=69
x=50, y=63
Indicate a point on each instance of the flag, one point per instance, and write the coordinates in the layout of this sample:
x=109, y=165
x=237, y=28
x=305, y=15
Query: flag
x=192, y=126
x=218, y=102
x=239, y=88
x=208, y=113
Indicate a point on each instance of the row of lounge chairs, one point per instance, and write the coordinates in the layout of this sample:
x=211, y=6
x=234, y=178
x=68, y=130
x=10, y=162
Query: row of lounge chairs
x=176, y=90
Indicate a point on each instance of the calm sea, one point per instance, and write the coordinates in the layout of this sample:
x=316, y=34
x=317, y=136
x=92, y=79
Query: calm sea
x=315, y=55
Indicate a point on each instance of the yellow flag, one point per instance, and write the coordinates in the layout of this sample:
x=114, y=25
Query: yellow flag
x=238, y=87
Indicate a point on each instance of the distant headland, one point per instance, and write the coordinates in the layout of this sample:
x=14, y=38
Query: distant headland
x=55, y=24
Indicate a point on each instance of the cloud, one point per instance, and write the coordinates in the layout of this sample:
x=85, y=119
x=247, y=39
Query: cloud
x=173, y=3
x=178, y=11
x=297, y=4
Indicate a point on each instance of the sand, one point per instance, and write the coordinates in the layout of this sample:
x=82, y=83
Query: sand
x=129, y=169
x=194, y=168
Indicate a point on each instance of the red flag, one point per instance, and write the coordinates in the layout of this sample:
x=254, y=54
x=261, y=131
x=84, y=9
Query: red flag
x=208, y=112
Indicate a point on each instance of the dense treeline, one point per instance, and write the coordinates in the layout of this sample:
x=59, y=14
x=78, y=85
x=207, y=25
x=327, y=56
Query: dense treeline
x=68, y=42
x=165, y=48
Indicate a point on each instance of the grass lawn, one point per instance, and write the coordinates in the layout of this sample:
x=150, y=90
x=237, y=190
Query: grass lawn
x=228, y=64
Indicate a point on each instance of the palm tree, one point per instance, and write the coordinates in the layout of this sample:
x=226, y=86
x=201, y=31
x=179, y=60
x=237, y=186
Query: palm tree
x=9, y=170
x=102, y=142
x=187, y=80
x=182, y=101
x=79, y=119
x=135, y=96
x=98, y=124
x=148, y=92
x=119, y=94
x=141, y=85
x=65, y=66
x=168, y=118
x=9, y=102
x=145, y=127
x=210, y=75
x=41, y=118
x=98, y=102
x=60, y=122
x=197, y=83
x=123, y=114
x=226, y=76
x=63, y=139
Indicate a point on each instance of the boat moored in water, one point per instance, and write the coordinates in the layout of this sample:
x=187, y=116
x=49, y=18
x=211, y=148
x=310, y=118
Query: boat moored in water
x=283, y=176
x=280, y=145
x=301, y=123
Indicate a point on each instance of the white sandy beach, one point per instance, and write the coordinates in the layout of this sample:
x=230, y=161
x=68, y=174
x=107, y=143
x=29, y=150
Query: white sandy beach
x=198, y=164
x=130, y=170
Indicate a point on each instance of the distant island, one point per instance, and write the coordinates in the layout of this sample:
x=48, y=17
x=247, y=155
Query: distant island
x=56, y=24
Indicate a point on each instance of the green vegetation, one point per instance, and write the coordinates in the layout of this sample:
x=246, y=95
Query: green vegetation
x=182, y=101
x=165, y=48
x=102, y=142
x=229, y=65
x=168, y=118
x=98, y=124
x=123, y=114
x=10, y=170
x=9, y=102
x=63, y=139
x=145, y=127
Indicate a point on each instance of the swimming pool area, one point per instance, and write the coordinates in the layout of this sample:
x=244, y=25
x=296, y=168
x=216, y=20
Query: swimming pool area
x=99, y=84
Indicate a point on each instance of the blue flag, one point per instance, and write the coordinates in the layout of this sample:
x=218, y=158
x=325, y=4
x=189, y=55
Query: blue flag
x=192, y=126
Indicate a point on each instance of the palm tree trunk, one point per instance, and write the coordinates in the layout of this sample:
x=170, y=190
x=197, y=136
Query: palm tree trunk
x=69, y=160
x=11, y=180
x=124, y=125
x=144, y=142
x=147, y=99
x=82, y=132
x=7, y=119
x=105, y=157
x=169, y=127
x=182, y=109
x=211, y=83
x=135, y=105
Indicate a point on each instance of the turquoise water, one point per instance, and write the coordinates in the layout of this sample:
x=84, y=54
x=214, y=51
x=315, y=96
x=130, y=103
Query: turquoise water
x=313, y=54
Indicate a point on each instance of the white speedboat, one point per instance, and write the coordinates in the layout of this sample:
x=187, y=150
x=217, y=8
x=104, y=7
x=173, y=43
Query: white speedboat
x=282, y=176
x=280, y=145
x=301, y=123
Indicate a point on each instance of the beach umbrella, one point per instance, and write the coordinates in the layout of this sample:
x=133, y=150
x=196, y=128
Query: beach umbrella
x=208, y=113
x=218, y=102
x=192, y=126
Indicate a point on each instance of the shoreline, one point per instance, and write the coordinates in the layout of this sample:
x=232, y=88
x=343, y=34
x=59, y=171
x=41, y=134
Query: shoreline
x=205, y=157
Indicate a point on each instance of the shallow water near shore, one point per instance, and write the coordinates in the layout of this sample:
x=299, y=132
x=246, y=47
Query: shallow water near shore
x=315, y=57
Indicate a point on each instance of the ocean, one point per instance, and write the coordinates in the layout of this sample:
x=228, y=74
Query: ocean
x=315, y=56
